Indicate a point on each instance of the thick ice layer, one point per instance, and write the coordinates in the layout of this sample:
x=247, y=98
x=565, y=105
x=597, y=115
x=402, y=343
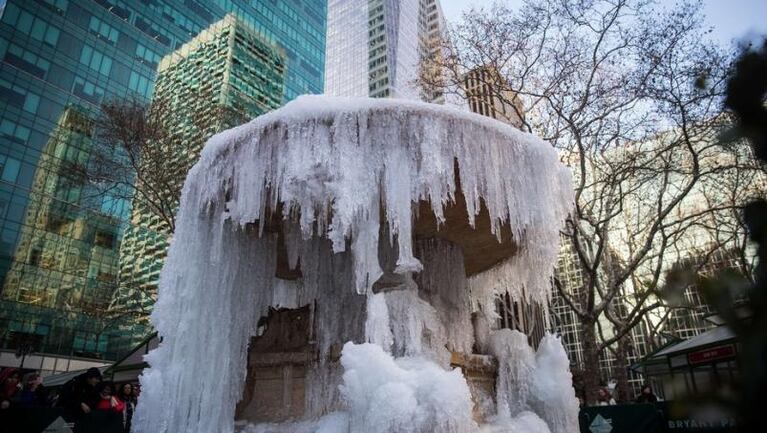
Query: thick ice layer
x=539, y=382
x=334, y=160
x=555, y=399
x=327, y=164
x=516, y=367
x=525, y=422
x=406, y=395
x=383, y=394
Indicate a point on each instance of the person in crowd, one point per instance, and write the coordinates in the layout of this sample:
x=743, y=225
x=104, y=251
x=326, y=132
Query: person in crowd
x=33, y=393
x=10, y=380
x=126, y=395
x=108, y=401
x=604, y=398
x=108, y=414
x=79, y=396
x=646, y=395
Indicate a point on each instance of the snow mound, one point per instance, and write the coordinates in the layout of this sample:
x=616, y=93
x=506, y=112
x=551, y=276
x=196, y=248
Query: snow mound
x=384, y=395
x=336, y=422
x=524, y=422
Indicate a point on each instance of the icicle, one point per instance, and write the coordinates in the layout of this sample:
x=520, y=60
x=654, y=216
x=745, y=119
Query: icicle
x=516, y=365
x=292, y=244
x=377, y=327
x=340, y=169
x=534, y=382
x=555, y=399
x=327, y=159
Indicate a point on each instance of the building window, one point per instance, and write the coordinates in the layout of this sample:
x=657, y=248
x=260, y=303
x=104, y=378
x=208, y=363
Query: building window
x=34, y=257
x=87, y=90
x=103, y=30
x=117, y=7
x=160, y=35
x=14, y=131
x=28, y=24
x=140, y=84
x=105, y=239
x=59, y=6
x=96, y=60
x=26, y=61
x=148, y=56
x=89, y=343
x=19, y=97
x=9, y=168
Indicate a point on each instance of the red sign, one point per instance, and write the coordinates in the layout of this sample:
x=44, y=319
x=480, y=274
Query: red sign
x=710, y=355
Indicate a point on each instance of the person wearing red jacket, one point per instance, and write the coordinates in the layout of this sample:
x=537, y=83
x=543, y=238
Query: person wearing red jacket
x=108, y=401
x=107, y=417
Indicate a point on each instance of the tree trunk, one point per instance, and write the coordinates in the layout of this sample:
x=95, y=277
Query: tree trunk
x=620, y=370
x=591, y=371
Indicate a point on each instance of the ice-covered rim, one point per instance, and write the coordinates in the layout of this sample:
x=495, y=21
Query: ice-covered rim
x=328, y=107
x=333, y=162
x=340, y=158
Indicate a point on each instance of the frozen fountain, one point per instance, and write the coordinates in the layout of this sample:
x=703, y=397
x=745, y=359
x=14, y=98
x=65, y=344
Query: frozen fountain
x=334, y=268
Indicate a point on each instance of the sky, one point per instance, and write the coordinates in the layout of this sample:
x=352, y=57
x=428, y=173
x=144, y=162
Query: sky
x=731, y=19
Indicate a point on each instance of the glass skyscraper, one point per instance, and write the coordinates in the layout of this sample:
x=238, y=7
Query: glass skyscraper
x=59, y=245
x=375, y=47
x=225, y=76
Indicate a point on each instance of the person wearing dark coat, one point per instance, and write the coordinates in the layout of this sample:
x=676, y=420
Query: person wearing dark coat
x=33, y=393
x=126, y=395
x=79, y=396
x=646, y=395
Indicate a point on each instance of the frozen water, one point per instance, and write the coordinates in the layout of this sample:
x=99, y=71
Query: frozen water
x=342, y=172
x=383, y=394
x=333, y=160
x=336, y=422
x=555, y=398
x=516, y=367
x=377, y=324
x=534, y=381
x=525, y=422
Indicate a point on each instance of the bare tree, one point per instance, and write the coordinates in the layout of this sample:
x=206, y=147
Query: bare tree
x=631, y=95
x=140, y=155
x=134, y=157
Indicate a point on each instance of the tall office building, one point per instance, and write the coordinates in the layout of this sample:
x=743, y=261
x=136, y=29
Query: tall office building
x=57, y=56
x=488, y=94
x=374, y=48
x=225, y=76
x=65, y=266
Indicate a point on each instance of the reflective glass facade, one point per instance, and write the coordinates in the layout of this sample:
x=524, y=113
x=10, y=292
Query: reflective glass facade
x=225, y=76
x=60, y=245
x=375, y=46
